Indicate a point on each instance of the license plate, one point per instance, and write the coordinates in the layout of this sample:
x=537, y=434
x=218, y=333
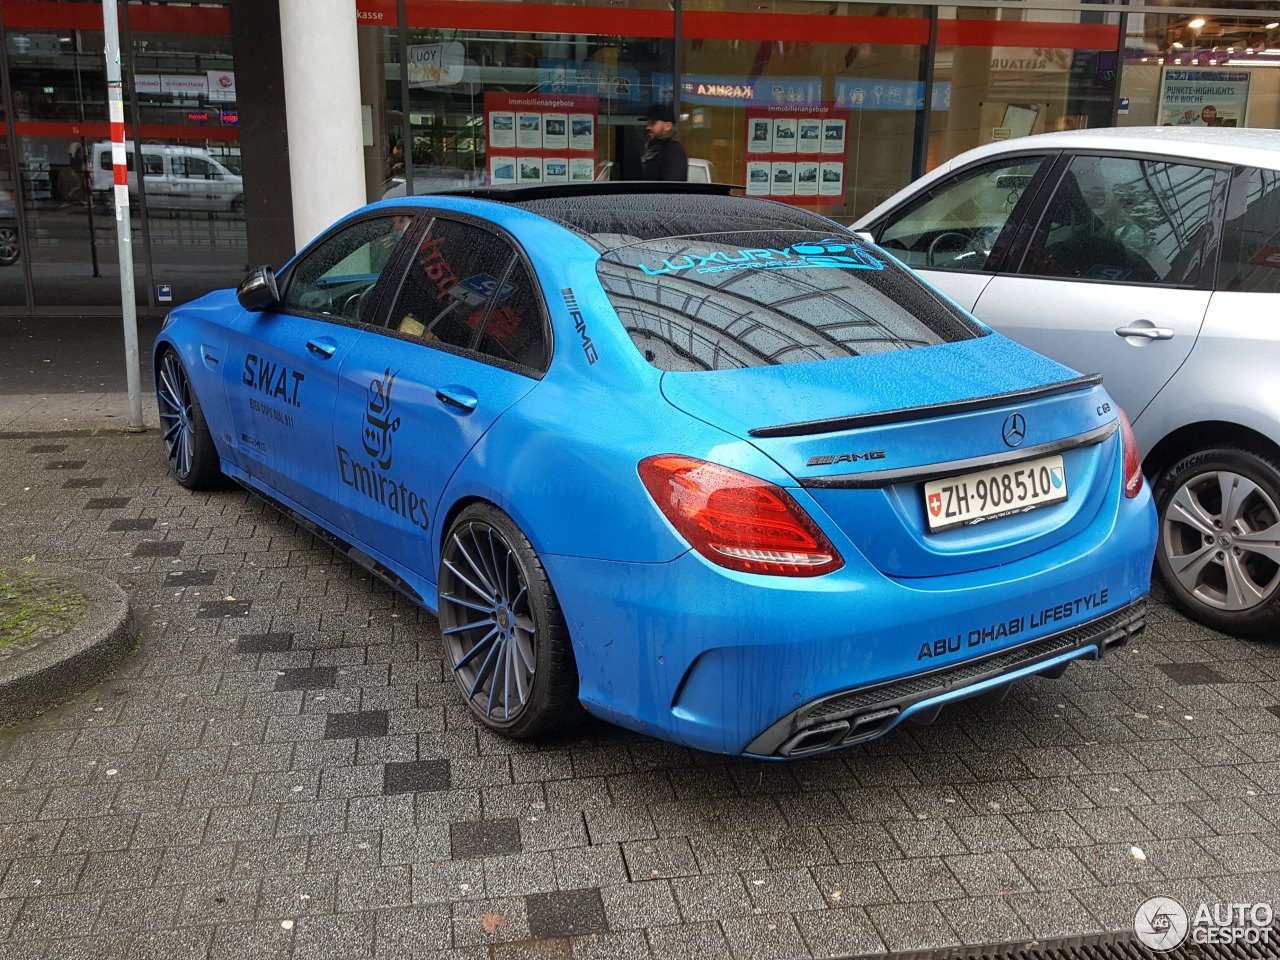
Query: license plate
x=1000, y=492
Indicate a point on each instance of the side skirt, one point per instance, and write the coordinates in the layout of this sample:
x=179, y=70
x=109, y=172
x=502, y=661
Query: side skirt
x=332, y=539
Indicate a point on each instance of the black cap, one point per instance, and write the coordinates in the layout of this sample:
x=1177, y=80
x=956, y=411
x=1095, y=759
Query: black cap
x=659, y=111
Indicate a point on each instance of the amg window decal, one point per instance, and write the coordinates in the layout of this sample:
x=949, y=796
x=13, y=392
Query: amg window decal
x=579, y=324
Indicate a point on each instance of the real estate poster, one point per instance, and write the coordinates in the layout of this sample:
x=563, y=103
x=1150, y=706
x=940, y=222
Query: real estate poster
x=502, y=129
x=778, y=138
x=541, y=138
x=807, y=178
x=502, y=169
x=833, y=134
x=555, y=131
x=784, y=179
x=809, y=138
x=832, y=179
x=529, y=130
x=784, y=135
x=760, y=135
x=582, y=131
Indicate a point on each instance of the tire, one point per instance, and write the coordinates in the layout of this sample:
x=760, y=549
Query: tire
x=237, y=207
x=193, y=460
x=1219, y=545
x=499, y=618
x=10, y=248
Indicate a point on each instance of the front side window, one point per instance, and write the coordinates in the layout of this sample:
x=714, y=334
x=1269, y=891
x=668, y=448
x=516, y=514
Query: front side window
x=956, y=223
x=1125, y=220
x=196, y=167
x=336, y=278
x=726, y=300
x=1251, y=241
x=466, y=289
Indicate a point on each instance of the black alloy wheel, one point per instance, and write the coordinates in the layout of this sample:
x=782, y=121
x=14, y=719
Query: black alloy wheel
x=504, y=634
x=193, y=460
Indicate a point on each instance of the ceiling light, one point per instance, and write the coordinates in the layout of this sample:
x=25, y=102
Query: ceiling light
x=1177, y=45
x=1272, y=25
x=1177, y=59
x=1197, y=23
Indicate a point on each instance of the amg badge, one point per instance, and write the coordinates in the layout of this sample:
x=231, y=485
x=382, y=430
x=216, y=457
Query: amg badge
x=845, y=458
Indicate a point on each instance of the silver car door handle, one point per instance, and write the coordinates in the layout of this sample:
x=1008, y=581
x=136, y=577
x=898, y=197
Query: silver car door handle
x=1149, y=333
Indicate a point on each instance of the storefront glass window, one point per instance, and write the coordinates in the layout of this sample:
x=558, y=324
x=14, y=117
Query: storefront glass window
x=824, y=117
x=1007, y=72
x=1188, y=70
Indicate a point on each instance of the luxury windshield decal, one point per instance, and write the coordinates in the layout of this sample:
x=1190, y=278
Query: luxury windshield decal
x=977, y=637
x=808, y=254
x=372, y=479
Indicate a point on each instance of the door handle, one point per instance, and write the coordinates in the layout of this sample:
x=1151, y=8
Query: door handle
x=322, y=347
x=1147, y=333
x=459, y=397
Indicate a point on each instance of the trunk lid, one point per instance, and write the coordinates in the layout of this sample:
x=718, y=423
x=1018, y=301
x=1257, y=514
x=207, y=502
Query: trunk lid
x=864, y=434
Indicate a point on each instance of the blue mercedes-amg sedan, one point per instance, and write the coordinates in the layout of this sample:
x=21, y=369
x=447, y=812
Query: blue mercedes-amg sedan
x=709, y=466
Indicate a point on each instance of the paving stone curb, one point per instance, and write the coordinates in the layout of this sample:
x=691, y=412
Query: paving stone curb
x=63, y=666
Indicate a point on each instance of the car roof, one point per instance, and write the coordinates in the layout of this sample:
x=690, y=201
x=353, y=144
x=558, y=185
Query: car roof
x=1259, y=148
x=615, y=213
x=1247, y=147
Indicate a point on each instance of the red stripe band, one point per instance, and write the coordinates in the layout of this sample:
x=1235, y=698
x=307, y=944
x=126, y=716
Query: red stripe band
x=97, y=130
x=117, y=133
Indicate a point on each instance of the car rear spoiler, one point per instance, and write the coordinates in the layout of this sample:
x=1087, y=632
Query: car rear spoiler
x=927, y=411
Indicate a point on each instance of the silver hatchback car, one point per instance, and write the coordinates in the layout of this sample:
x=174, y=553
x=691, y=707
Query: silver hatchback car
x=1150, y=255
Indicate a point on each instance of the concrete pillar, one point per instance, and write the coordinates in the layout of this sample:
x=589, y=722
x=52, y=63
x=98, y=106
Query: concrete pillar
x=322, y=112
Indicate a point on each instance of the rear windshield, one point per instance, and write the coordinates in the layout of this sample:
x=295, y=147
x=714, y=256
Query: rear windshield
x=726, y=300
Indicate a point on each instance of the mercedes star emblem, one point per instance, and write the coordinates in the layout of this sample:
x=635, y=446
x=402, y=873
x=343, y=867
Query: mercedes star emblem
x=1015, y=429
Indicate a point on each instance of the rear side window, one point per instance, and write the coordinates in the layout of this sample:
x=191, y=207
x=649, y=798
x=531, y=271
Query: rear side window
x=1251, y=241
x=721, y=301
x=465, y=288
x=1125, y=220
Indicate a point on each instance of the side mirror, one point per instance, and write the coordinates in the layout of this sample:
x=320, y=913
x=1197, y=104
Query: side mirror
x=259, y=290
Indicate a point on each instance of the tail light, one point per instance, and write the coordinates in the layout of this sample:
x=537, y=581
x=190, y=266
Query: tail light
x=737, y=520
x=1132, y=462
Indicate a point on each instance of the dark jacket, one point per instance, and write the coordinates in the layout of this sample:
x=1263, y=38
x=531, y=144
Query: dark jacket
x=664, y=159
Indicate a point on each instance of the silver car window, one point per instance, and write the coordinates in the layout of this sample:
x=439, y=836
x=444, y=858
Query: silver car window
x=957, y=222
x=1251, y=241
x=1125, y=220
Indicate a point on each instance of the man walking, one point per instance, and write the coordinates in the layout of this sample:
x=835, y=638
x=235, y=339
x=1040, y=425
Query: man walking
x=663, y=158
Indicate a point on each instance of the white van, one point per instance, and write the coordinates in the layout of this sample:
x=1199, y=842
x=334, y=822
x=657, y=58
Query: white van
x=176, y=178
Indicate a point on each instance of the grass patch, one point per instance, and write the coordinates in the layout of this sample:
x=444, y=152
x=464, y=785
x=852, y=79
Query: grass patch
x=34, y=606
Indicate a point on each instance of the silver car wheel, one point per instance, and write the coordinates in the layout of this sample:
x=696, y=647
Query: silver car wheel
x=9, y=247
x=1221, y=537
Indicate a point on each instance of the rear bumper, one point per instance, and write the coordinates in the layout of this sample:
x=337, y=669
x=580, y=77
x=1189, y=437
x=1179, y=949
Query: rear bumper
x=864, y=713
x=739, y=663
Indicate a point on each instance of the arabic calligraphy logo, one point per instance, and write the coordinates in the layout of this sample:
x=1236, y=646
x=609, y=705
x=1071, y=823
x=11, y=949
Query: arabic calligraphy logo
x=1160, y=923
x=378, y=422
x=1015, y=429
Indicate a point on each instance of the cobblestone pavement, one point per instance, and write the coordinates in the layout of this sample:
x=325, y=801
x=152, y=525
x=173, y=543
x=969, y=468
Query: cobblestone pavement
x=284, y=769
